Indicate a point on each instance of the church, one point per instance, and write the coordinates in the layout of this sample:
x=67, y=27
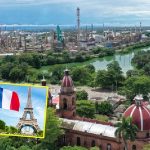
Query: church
x=89, y=132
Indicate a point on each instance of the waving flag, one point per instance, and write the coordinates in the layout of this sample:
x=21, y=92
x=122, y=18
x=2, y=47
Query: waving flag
x=9, y=100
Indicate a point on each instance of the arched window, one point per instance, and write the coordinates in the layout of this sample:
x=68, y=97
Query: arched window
x=108, y=146
x=92, y=143
x=147, y=135
x=78, y=141
x=133, y=147
x=64, y=103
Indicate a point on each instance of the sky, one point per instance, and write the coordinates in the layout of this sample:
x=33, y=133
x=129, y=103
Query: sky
x=63, y=12
x=38, y=97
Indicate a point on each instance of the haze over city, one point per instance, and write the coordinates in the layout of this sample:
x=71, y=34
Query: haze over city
x=62, y=12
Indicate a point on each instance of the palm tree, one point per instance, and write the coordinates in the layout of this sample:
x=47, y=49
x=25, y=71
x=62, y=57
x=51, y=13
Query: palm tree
x=126, y=130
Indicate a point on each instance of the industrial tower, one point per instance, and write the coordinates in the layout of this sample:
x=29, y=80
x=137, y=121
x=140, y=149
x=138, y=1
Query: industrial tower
x=78, y=28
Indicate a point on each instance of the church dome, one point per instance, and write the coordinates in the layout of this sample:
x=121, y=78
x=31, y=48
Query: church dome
x=67, y=83
x=67, y=80
x=140, y=114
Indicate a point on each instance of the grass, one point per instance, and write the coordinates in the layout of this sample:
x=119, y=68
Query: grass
x=103, y=118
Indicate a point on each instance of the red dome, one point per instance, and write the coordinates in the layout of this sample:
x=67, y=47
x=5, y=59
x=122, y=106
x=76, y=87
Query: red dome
x=67, y=81
x=140, y=116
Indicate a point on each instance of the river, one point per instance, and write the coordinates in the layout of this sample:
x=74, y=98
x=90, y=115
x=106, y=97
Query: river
x=124, y=60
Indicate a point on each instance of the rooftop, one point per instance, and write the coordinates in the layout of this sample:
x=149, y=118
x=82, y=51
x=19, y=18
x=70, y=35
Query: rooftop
x=89, y=127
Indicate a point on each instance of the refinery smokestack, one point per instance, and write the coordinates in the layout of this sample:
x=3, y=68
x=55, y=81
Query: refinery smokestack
x=140, y=27
x=78, y=27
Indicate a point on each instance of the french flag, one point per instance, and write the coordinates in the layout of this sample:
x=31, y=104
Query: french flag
x=9, y=100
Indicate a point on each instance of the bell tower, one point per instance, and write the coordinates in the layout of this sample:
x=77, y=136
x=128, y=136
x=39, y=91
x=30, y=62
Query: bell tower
x=67, y=97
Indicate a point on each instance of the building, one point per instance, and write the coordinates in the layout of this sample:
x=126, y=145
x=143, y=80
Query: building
x=88, y=132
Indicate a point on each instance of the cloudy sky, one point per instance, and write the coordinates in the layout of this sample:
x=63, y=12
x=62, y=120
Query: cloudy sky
x=114, y=12
x=38, y=97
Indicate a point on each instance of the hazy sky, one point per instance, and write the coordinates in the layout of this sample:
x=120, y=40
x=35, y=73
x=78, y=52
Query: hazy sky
x=115, y=12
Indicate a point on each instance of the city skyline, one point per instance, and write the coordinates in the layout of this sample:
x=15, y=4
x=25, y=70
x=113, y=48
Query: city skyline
x=63, y=12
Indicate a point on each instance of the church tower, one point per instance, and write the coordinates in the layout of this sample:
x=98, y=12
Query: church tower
x=67, y=97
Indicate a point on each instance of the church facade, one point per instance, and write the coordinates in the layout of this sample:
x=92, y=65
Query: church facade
x=89, y=133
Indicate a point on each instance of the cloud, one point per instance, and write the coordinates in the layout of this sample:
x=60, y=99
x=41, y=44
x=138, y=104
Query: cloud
x=95, y=11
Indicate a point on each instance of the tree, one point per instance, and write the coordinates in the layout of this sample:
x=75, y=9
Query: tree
x=73, y=148
x=57, y=74
x=126, y=130
x=12, y=129
x=81, y=76
x=105, y=108
x=2, y=125
x=111, y=76
x=136, y=85
x=82, y=95
x=5, y=70
x=53, y=131
x=24, y=147
x=17, y=74
x=85, y=109
x=90, y=68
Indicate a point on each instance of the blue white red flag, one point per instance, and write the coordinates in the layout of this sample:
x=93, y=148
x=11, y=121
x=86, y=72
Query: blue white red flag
x=9, y=100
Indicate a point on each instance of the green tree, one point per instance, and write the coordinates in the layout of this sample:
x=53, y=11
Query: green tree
x=90, y=68
x=53, y=131
x=12, y=130
x=2, y=125
x=73, y=148
x=5, y=70
x=110, y=77
x=24, y=147
x=126, y=130
x=82, y=95
x=85, y=109
x=17, y=74
x=105, y=108
x=81, y=76
x=136, y=85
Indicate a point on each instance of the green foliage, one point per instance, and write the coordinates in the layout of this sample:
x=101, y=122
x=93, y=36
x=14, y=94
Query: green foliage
x=131, y=73
x=82, y=95
x=2, y=125
x=57, y=74
x=126, y=130
x=85, y=109
x=113, y=76
x=95, y=148
x=146, y=147
x=24, y=147
x=141, y=61
x=105, y=108
x=53, y=131
x=101, y=51
x=81, y=76
x=102, y=118
x=73, y=148
x=90, y=68
x=13, y=130
x=136, y=85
